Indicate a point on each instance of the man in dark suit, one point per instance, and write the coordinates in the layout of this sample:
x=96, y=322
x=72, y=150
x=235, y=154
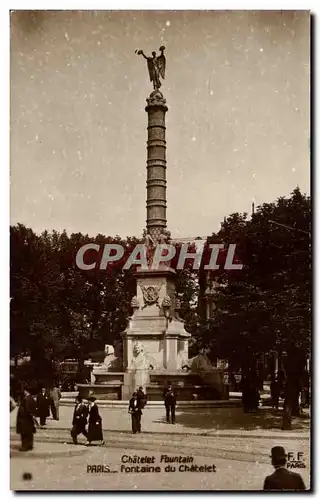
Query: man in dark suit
x=26, y=420
x=142, y=397
x=135, y=409
x=43, y=404
x=79, y=420
x=170, y=401
x=282, y=479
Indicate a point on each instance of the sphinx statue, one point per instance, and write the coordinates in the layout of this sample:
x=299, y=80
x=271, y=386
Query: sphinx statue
x=200, y=363
x=111, y=361
x=202, y=366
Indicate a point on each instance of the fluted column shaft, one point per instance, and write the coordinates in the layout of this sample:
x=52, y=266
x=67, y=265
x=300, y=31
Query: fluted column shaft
x=156, y=166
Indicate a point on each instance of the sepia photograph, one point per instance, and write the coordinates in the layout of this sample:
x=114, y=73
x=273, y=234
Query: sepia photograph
x=160, y=250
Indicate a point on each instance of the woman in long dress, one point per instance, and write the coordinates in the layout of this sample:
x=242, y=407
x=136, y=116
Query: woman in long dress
x=94, y=423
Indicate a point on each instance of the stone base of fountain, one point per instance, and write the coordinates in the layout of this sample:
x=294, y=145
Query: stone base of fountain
x=117, y=386
x=189, y=386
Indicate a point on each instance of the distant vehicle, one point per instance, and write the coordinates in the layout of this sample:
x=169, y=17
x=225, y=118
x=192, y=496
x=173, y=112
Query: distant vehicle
x=71, y=375
x=69, y=367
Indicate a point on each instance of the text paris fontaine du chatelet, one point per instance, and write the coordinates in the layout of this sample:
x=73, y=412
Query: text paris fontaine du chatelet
x=137, y=464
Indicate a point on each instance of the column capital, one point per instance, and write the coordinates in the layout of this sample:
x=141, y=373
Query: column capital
x=156, y=100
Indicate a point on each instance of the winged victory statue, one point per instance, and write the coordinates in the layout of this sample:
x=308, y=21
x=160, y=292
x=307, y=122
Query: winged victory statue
x=156, y=66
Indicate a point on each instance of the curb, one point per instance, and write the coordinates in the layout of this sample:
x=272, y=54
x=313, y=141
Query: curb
x=214, y=434
x=256, y=436
x=14, y=452
x=115, y=404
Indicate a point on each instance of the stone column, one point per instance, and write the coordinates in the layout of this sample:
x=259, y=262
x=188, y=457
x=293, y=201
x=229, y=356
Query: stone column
x=128, y=376
x=156, y=165
x=129, y=352
x=185, y=349
x=171, y=353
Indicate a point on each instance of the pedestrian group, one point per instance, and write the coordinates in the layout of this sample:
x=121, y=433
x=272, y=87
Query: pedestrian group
x=32, y=407
x=88, y=422
x=86, y=417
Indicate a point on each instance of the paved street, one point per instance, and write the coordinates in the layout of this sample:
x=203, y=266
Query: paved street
x=222, y=421
x=241, y=463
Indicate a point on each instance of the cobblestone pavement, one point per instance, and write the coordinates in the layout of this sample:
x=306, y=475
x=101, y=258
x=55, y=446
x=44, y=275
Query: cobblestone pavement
x=227, y=421
x=241, y=464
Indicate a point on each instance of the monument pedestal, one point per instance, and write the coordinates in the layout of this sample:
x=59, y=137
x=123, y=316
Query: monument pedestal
x=160, y=335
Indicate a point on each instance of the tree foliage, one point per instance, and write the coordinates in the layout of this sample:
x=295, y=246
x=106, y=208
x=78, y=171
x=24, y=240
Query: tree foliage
x=266, y=306
x=60, y=311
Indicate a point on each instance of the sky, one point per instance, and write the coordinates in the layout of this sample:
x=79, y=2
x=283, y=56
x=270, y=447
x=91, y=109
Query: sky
x=237, y=89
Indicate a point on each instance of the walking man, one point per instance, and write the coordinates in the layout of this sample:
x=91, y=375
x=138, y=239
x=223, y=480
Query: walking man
x=170, y=401
x=135, y=409
x=79, y=420
x=43, y=403
x=282, y=479
x=26, y=420
x=55, y=395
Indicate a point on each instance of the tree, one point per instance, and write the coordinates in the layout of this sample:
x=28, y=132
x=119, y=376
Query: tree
x=266, y=306
x=59, y=311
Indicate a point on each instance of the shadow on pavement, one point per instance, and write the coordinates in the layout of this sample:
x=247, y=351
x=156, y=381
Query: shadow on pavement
x=236, y=419
x=47, y=450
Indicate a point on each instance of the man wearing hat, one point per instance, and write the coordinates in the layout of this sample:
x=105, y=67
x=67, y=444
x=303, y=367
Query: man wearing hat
x=26, y=421
x=135, y=409
x=282, y=479
x=170, y=401
x=79, y=420
x=142, y=397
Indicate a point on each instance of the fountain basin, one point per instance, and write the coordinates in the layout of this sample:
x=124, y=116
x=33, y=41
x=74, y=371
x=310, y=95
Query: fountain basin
x=107, y=391
x=189, y=386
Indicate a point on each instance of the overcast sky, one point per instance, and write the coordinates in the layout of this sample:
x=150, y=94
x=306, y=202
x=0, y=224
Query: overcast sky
x=237, y=88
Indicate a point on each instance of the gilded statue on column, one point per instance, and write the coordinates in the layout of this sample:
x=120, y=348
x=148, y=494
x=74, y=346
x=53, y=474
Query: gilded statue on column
x=156, y=66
